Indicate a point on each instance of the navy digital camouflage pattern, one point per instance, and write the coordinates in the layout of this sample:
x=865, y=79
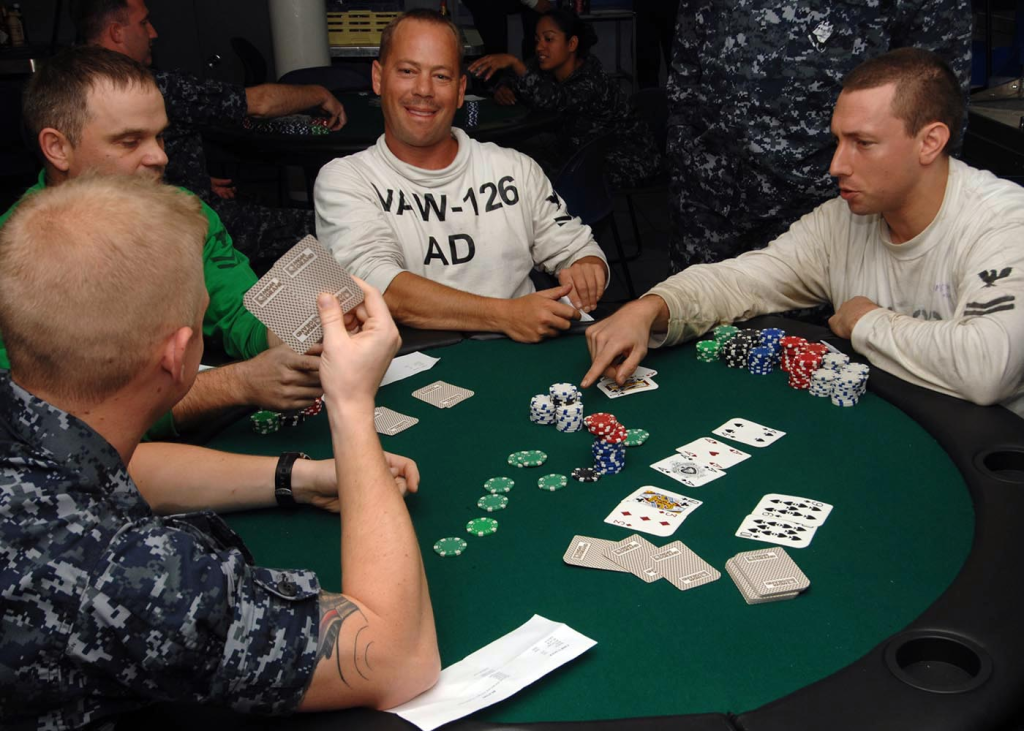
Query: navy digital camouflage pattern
x=260, y=232
x=590, y=104
x=106, y=607
x=751, y=92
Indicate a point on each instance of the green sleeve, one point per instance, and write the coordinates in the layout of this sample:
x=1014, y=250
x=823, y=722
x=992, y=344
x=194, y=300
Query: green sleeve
x=228, y=277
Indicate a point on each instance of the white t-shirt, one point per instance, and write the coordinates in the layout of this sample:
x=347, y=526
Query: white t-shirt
x=479, y=225
x=950, y=318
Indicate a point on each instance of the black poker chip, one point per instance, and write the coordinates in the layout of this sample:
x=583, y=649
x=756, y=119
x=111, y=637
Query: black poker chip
x=585, y=474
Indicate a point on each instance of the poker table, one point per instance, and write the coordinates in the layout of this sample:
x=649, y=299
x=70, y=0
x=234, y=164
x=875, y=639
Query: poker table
x=505, y=125
x=912, y=619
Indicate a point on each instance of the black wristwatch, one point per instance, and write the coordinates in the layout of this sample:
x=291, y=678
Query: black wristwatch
x=283, y=478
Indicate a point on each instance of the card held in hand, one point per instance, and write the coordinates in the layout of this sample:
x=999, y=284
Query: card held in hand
x=284, y=299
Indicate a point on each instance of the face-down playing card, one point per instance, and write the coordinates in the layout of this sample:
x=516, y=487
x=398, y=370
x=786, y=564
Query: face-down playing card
x=284, y=299
x=442, y=395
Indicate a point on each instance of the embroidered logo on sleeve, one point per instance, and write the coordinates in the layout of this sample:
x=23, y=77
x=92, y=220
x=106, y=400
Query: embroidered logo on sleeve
x=999, y=304
x=991, y=276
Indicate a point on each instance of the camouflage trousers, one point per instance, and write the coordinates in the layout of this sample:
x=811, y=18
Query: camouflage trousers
x=263, y=233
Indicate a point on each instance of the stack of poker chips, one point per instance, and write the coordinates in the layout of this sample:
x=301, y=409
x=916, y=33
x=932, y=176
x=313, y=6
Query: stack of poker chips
x=822, y=381
x=268, y=422
x=472, y=113
x=850, y=384
x=561, y=406
x=835, y=361
x=792, y=346
x=761, y=360
x=736, y=350
x=708, y=351
x=724, y=333
x=609, y=447
x=801, y=368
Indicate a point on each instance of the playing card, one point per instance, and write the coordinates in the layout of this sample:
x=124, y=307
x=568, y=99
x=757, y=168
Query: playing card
x=749, y=595
x=644, y=372
x=633, y=385
x=779, y=532
x=683, y=568
x=770, y=572
x=442, y=395
x=747, y=432
x=652, y=510
x=687, y=471
x=634, y=555
x=794, y=509
x=712, y=453
x=391, y=422
x=284, y=299
x=589, y=552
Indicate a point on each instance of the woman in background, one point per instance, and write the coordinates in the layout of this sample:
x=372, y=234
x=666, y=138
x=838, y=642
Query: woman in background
x=563, y=77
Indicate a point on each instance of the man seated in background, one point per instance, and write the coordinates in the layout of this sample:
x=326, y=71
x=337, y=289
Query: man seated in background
x=120, y=587
x=447, y=227
x=920, y=255
x=260, y=232
x=96, y=111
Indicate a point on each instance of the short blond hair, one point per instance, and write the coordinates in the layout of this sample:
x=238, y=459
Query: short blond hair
x=94, y=274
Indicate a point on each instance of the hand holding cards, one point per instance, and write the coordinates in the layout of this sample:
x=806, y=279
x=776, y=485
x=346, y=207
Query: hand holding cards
x=284, y=299
x=639, y=382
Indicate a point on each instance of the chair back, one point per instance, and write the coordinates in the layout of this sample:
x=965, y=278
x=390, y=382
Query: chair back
x=652, y=106
x=334, y=78
x=581, y=182
x=253, y=63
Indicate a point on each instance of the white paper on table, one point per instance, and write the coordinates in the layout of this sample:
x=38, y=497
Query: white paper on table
x=495, y=672
x=584, y=317
x=407, y=365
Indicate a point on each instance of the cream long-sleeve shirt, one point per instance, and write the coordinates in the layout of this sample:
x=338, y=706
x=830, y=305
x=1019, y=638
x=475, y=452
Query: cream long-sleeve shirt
x=479, y=225
x=951, y=316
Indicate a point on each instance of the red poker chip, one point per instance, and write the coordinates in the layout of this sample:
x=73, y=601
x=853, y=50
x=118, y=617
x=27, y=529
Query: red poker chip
x=616, y=436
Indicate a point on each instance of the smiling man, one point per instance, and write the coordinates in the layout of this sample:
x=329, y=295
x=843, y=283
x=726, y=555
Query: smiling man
x=447, y=227
x=920, y=255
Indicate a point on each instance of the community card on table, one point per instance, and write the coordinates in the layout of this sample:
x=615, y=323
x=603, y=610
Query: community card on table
x=747, y=432
x=442, y=395
x=652, y=510
x=687, y=471
x=712, y=453
x=803, y=510
x=284, y=299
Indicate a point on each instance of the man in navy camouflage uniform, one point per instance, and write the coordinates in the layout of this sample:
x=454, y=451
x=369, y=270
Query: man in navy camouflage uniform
x=750, y=92
x=120, y=587
x=260, y=232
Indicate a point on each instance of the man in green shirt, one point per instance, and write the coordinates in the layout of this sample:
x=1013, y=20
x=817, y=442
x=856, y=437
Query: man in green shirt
x=94, y=111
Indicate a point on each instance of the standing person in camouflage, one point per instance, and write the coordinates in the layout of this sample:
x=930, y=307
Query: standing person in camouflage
x=750, y=90
x=120, y=587
x=565, y=78
x=260, y=232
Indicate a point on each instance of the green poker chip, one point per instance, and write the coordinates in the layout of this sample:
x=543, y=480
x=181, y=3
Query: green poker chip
x=636, y=437
x=482, y=526
x=499, y=484
x=552, y=482
x=527, y=458
x=265, y=422
x=490, y=503
x=450, y=547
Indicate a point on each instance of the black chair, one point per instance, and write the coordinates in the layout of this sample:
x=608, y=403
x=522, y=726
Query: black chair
x=582, y=185
x=348, y=77
x=253, y=64
x=652, y=106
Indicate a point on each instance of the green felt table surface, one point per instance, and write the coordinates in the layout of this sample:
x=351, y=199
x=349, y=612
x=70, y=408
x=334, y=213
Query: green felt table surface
x=900, y=530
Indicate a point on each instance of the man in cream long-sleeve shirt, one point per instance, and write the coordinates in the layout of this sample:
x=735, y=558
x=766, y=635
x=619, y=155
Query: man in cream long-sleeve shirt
x=921, y=256
x=446, y=227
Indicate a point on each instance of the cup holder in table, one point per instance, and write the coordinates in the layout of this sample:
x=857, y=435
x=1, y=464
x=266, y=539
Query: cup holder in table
x=937, y=662
x=1005, y=464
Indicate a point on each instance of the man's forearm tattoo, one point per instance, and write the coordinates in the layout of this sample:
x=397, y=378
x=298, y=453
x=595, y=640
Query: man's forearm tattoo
x=334, y=610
